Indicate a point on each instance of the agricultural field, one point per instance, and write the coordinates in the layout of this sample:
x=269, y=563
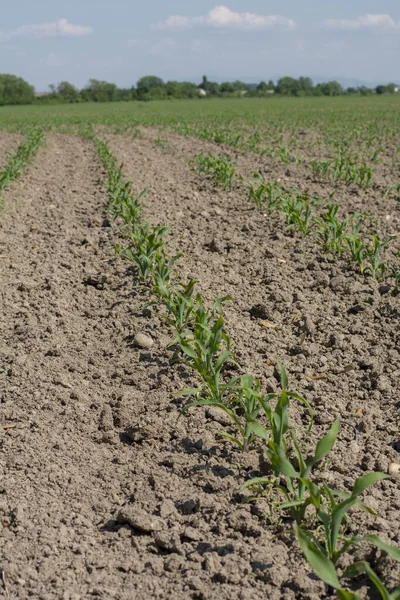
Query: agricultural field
x=199, y=350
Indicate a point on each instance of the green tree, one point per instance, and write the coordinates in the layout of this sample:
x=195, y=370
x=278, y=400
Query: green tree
x=148, y=84
x=332, y=88
x=239, y=86
x=99, y=91
x=287, y=86
x=226, y=87
x=67, y=92
x=15, y=90
x=305, y=85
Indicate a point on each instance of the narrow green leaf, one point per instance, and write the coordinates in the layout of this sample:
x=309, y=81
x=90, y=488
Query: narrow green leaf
x=392, y=551
x=345, y=595
x=284, y=376
x=223, y=357
x=255, y=481
x=366, y=481
x=188, y=392
x=320, y=563
x=259, y=430
x=361, y=567
x=325, y=445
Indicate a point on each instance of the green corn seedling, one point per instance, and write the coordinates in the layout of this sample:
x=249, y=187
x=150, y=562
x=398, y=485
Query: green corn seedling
x=146, y=242
x=325, y=569
x=178, y=303
x=395, y=188
x=218, y=168
x=17, y=162
x=373, y=251
x=363, y=567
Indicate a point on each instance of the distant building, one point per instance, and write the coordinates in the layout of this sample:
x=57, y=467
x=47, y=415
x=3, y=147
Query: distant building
x=41, y=94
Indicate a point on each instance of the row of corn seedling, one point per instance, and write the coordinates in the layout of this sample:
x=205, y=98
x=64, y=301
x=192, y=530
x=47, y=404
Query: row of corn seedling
x=17, y=162
x=259, y=422
x=336, y=235
x=341, y=236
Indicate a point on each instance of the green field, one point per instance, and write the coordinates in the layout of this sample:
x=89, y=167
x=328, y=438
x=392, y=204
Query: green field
x=286, y=129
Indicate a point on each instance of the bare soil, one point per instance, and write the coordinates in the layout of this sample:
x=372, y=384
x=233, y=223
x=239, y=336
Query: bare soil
x=103, y=491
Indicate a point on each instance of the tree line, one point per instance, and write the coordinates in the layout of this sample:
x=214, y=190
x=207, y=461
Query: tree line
x=15, y=90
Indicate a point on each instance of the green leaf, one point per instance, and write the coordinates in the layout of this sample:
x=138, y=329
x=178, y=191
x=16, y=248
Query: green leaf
x=221, y=359
x=366, y=481
x=188, y=392
x=325, y=445
x=320, y=563
x=231, y=438
x=259, y=430
x=392, y=551
x=344, y=595
x=281, y=462
x=188, y=350
x=361, y=567
x=255, y=482
x=284, y=376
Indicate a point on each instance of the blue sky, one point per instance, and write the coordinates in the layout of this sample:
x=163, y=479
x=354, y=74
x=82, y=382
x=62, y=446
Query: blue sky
x=47, y=41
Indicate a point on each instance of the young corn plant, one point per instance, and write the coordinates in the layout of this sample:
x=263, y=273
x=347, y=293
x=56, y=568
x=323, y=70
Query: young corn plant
x=219, y=168
x=395, y=189
x=17, y=162
x=325, y=568
x=363, y=567
x=374, y=265
x=201, y=347
x=357, y=251
x=146, y=242
x=292, y=474
x=321, y=168
x=298, y=213
x=264, y=194
x=333, y=232
x=178, y=302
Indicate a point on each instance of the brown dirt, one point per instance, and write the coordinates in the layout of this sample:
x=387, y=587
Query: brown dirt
x=103, y=492
x=8, y=143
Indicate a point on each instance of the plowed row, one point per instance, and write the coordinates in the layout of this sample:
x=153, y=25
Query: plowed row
x=103, y=492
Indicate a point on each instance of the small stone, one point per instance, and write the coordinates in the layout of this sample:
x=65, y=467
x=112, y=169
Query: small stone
x=192, y=534
x=141, y=340
x=354, y=447
x=394, y=470
x=384, y=289
x=167, y=542
x=106, y=421
x=139, y=519
x=167, y=508
x=383, y=384
x=190, y=507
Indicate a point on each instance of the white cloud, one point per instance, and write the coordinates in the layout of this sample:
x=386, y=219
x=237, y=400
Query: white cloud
x=366, y=22
x=60, y=28
x=222, y=17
